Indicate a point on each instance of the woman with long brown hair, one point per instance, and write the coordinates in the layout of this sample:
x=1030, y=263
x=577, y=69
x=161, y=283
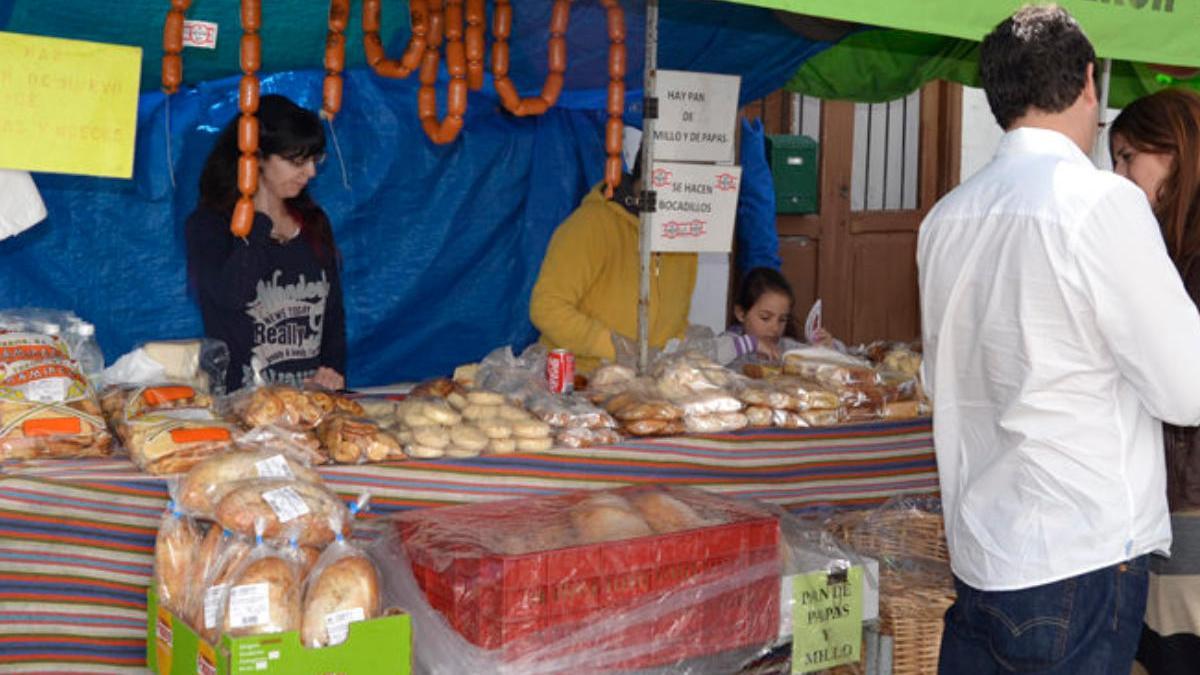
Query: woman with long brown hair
x=1155, y=142
x=274, y=297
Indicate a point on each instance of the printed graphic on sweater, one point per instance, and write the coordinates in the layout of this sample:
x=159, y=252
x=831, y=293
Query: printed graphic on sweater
x=288, y=319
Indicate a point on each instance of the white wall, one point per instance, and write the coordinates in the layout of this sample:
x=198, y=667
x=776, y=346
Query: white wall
x=981, y=134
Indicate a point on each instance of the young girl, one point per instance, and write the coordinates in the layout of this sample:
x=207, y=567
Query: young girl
x=763, y=309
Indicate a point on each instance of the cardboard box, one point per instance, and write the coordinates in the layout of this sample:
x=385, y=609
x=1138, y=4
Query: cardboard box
x=382, y=645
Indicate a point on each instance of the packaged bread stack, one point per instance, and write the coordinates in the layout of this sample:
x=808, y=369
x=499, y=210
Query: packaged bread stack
x=789, y=402
x=48, y=408
x=169, y=428
x=252, y=543
x=467, y=424
x=868, y=391
x=641, y=409
x=703, y=389
x=321, y=425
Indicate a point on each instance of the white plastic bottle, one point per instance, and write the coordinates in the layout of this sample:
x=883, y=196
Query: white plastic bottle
x=88, y=353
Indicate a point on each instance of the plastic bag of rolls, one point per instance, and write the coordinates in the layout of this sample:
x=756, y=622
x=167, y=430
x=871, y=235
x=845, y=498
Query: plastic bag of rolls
x=47, y=405
x=254, y=543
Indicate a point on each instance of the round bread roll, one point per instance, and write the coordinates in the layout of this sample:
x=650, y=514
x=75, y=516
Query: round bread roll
x=440, y=413
x=485, y=398
x=283, y=598
x=431, y=436
x=207, y=482
x=531, y=429
x=607, y=518
x=468, y=437
x=462, y=453
x=347, y=584
x=665, y=513
x=457, y=400
x=513, y=413
x=476, y=412
x=245, y=504
x=535, y=444
x=416, y=417
x=403, y=436
x=502, y=446
x=423, y=452
x=495, y=429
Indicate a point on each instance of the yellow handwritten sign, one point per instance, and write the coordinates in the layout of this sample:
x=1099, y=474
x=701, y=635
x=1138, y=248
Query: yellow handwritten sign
x=826, y=620
x=68, y=106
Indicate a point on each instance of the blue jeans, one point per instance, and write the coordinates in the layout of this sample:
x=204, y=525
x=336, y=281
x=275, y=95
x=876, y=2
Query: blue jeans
x=1084, y=625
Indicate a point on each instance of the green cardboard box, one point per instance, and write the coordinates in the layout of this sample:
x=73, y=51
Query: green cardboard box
x=382, y=645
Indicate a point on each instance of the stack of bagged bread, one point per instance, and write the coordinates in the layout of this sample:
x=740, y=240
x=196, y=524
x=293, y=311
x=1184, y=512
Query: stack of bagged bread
x=254, y=542
x=444, y=419
x=685, y=393
x=324, y=426
x=788, y=402
x=867, y=391
x=168, y=428
x=47, y=405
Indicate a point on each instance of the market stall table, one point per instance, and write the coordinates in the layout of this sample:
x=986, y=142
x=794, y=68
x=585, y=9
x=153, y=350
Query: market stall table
x=77, y=536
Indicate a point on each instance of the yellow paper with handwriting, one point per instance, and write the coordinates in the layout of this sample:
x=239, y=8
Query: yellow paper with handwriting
x=68, y=106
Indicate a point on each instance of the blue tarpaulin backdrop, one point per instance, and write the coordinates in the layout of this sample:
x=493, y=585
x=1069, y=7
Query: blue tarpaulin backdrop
x=441, y=245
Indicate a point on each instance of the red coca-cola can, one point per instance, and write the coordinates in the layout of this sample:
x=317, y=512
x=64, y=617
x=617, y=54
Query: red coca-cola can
x=560, y=371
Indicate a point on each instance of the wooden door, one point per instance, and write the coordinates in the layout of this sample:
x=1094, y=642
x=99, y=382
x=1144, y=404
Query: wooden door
x=858, y=253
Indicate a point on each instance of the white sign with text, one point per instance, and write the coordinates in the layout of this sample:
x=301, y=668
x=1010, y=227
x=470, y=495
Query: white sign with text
x=696, y=206
x=696, y=116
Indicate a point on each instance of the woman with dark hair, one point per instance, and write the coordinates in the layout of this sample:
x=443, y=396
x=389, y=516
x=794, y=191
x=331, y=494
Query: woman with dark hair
x=275, y=297
x=1155, y=143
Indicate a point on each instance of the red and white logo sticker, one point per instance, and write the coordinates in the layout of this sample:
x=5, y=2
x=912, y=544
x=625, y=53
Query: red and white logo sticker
x=202, y=34
x=690, y=229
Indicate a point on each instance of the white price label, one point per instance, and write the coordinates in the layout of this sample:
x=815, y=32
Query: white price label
x=49, y=390
x=286, y=504
x=214, y=600
x=249, y=605
x=337, y=624
x=274, y=466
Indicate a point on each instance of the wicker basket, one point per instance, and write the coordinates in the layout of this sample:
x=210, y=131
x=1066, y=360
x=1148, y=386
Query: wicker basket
x=916, y=587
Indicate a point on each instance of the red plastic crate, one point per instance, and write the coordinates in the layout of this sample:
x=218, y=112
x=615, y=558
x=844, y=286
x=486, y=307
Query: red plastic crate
x=521, y=603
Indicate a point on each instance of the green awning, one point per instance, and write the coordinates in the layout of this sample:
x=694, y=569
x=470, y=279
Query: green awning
x=1147, y=31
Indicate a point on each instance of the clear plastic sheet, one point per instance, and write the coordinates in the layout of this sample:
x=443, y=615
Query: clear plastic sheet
x=300, y=445
x=513, y=587
x=200, y=363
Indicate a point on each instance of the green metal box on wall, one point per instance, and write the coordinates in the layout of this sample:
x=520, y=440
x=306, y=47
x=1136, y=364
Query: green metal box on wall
x=794, y=167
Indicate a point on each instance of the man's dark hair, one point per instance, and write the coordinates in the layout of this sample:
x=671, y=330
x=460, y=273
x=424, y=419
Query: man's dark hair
x=1037, y=58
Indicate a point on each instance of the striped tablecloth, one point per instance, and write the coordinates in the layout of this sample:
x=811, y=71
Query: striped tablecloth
x=76, y=537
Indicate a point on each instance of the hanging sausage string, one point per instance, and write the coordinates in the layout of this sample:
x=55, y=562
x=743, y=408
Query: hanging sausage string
x=458, y=27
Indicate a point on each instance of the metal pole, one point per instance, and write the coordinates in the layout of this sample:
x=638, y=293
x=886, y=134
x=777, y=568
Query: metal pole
x=1100, y=149
x=648, y=121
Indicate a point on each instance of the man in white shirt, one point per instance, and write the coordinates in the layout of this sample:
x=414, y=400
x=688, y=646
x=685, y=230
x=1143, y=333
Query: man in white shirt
x=1056, y=330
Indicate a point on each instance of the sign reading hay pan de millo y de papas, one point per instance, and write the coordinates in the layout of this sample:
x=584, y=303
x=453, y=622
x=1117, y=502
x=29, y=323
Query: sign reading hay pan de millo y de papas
x=696, y=116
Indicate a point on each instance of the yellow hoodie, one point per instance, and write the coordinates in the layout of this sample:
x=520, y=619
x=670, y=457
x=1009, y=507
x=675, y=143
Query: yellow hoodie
x=588, y=286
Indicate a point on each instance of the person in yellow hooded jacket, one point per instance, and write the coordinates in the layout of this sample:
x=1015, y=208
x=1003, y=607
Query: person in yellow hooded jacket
x=587, y=290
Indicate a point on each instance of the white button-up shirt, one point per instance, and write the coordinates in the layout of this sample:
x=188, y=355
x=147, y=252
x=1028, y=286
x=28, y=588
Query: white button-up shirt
x=1056, y=330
